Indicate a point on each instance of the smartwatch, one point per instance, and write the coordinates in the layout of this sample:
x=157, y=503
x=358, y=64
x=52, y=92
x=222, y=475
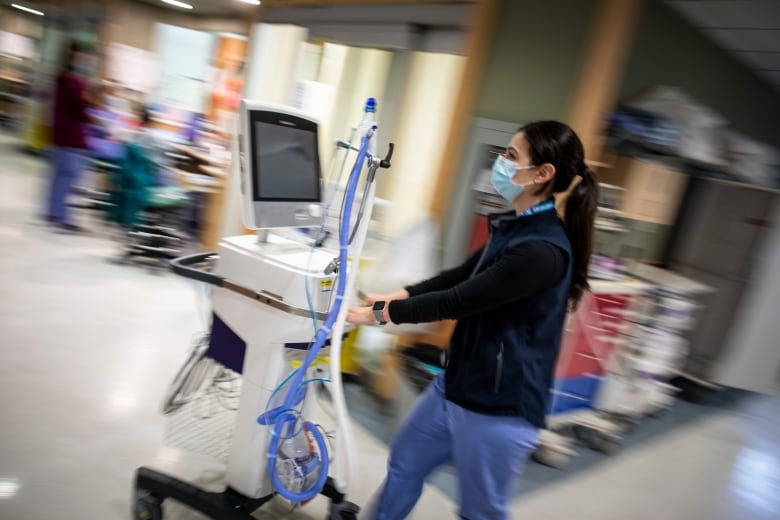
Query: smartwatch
x=378, y=309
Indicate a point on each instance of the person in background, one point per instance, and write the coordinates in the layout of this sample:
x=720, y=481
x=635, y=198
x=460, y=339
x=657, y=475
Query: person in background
x=102, y=121
x=510, y=299
x=153, y=146
x=139, y=172
x=69, y=135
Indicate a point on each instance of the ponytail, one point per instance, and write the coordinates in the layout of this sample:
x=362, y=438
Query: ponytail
x=574, y=187
x=580, y=213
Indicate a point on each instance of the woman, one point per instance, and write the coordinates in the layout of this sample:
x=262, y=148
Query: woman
x=510, y=299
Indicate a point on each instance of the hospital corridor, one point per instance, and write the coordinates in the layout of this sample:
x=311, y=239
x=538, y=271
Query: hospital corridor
x=89, y=348
x=389, y=259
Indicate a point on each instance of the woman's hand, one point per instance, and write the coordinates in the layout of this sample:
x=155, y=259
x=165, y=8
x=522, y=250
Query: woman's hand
x=364, y=315
x=361, y=315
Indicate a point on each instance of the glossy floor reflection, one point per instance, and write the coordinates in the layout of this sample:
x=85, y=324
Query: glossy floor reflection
x=88, y=348
x=725, y=466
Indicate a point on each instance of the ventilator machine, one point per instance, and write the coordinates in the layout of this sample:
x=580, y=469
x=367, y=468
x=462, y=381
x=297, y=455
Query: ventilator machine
x=279, y=302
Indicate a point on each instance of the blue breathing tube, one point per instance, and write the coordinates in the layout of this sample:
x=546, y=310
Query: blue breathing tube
x=285, y=417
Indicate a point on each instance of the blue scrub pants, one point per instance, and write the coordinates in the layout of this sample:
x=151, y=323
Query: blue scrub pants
x=67, y=167
x=488, y=452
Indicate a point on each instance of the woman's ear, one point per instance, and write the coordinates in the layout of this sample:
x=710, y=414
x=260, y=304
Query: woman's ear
x=545, y=173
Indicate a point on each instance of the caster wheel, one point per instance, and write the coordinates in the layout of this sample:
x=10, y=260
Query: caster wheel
x=118, y=260
x=550, y=457
x=281, y=506
x=604, y=444
x=584, y=434
x=344, y=511
x=147, y=506
x=659, y=413
x=697, y=394
x=625, y=422
x=630, y=427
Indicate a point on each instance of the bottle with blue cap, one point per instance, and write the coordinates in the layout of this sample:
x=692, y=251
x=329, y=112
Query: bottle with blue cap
x=368, y=121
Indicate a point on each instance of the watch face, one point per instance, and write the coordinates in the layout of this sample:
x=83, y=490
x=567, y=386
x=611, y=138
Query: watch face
x=378, y=309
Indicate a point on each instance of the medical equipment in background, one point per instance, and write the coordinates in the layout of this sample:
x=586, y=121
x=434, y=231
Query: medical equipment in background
x=622, y=347
x=596, y=334
x=279, y=306
x=124, y=188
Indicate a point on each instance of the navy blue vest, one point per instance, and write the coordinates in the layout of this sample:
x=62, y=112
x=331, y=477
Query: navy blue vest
x=501, y=362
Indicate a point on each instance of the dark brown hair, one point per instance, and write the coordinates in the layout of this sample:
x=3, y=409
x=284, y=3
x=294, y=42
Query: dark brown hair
x=556, y=143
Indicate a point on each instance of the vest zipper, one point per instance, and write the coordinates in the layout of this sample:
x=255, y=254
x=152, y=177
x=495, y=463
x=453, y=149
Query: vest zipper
x=499, y=367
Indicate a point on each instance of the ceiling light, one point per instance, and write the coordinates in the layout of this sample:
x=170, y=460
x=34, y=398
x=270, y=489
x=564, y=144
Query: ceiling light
x=253, y=2
x=177, y=4
x=27, y=9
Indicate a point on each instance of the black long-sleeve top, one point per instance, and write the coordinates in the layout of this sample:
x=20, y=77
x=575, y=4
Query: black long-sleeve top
x=456, y=293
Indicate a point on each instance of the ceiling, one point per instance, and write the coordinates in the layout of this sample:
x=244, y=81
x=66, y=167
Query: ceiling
x=426, y=26
x=424, y=12
x=748, y=29
x=216, y=8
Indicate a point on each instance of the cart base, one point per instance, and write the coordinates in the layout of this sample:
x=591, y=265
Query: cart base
x=153, y=487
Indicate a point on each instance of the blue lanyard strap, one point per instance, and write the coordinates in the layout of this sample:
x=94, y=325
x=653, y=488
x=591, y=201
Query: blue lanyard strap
x=547, y=205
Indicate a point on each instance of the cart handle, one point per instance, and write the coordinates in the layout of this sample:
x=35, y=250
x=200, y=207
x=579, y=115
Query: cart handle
x=181, y=266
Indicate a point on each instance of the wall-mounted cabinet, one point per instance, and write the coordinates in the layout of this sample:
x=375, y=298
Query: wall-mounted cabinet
x=652, y=192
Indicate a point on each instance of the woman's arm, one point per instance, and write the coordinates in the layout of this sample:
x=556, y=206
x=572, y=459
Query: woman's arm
x=446, y=279
x=442, y=281
x=519, y=273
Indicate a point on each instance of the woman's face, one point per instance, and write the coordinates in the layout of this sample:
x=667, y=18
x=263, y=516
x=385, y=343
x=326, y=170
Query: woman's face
x=517, y=152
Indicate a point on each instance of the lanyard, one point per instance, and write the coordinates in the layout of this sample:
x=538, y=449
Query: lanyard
x=547, y=205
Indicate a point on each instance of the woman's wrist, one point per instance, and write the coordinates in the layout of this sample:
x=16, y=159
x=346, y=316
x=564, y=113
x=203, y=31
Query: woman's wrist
x=398, y=295
x=401, y=295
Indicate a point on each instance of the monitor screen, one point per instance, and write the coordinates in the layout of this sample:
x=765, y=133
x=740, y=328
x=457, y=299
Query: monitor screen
x=285, y=160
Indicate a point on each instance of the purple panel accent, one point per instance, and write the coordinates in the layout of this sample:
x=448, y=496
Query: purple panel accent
x=225, y=345
x=302, y=346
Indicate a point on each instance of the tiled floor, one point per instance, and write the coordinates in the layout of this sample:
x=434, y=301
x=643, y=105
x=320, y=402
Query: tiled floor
x=88, y=348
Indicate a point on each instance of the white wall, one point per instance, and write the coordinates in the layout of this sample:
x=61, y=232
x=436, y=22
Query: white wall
x=271, y=65
x=15, y=44
x=132, y=67
x=420, y=135
x=133, y=23
x=361, y=74
x=271, y=62
x=17, y=22
x=318, y=75
x=184, y=56
x=751, y=357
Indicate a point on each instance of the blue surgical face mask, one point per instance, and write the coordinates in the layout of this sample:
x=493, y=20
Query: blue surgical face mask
x=501, y=177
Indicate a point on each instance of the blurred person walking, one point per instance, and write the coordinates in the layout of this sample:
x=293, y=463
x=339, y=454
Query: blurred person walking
x=69, y=135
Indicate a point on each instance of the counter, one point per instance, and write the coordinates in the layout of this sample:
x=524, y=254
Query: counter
x=668, y=280
x=624, y=285
x=205, y=171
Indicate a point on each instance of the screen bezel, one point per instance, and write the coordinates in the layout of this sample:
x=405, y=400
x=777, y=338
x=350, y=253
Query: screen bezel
x=289, y=121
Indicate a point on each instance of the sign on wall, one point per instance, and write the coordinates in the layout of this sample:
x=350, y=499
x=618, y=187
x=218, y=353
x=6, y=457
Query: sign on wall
x=185, y=56
x=132, y=67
